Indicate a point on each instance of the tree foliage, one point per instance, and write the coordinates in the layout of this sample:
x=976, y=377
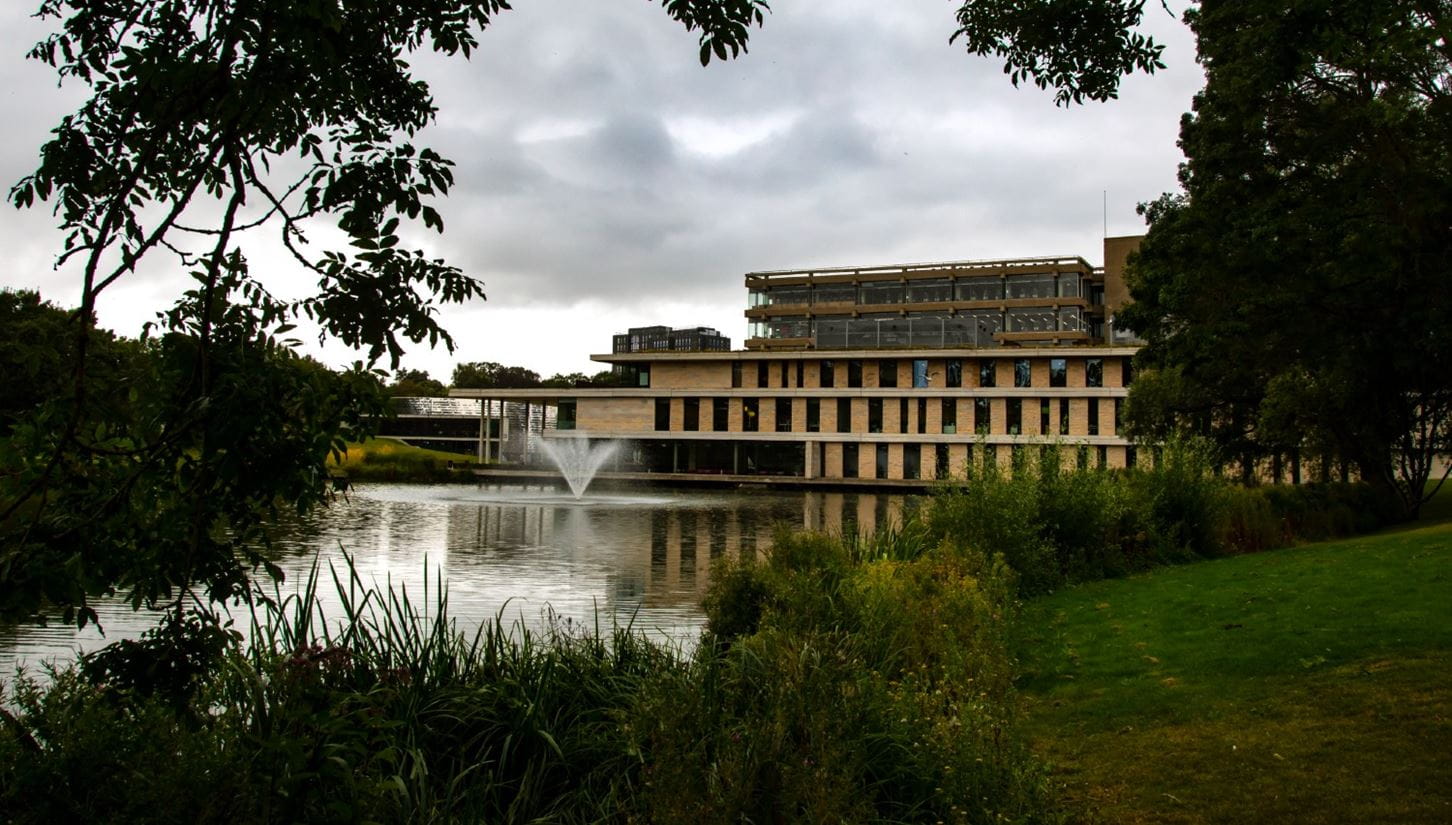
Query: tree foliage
x=415, y=384
x=493, y=375
x=1081, y=48
x=1295, y=294
x=205, y=122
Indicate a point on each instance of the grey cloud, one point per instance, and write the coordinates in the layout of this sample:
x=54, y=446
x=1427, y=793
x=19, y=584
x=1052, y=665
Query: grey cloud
x=613, y=208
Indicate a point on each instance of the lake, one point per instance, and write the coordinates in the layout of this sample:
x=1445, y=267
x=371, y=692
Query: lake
x=640, y=557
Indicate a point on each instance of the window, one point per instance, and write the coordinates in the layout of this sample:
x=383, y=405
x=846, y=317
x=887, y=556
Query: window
x=720, y=417
x=881, y=461
x=834, y=294
x=749, y=411
x=1015, y=416
x=1103, y=456
x=784, y=367
x=922, y=415
x=854, y=373
x=844, y=415
x=982, y=415
x=1126, y=372
x=979, y=289
x=691, y=415
x=912, y=460
x=954, y=373
x=814, y=415
x=1058, y=372
x=736, y=373
x=783, y=415
x=1063, y=416
x=849, y=460
x=763, y=375
x=950, y=415
x=1022, y=373
x=1093, y=416
x=1130, y=456
x=882, y=292
x=565, y=414
x=902, y=415
x=929, y=289
x=1031, y=286
x=1044, y=416
x=635, y=375
x=987, y=373
x=826, y=373
x=887, y=373
x=920, y=372
x=874, y=415
x=662, y=414
x=801, y=372
x=1094, y=372
x=1118, y=415
x=940, y=460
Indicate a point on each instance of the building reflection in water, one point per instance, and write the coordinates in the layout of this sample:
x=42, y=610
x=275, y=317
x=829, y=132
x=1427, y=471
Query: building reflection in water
x=658, y=555
x=644, y=559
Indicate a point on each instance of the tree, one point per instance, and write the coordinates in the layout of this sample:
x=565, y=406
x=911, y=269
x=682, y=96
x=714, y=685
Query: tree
x=36, y=340
x=208, y=120
x=415, y=383
x=1294, y=295
x=493, y=375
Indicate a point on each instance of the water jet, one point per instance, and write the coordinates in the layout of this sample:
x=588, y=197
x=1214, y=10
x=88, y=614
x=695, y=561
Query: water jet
x=578, y=460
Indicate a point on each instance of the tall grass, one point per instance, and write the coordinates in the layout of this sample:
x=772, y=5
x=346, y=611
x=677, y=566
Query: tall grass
x=862, y=684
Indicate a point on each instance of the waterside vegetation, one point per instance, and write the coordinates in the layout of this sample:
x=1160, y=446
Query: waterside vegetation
x=866, y=679
x=385, y=459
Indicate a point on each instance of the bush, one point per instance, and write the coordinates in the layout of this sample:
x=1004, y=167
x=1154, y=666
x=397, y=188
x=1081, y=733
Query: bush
x=887, y=698
x=1055, y=526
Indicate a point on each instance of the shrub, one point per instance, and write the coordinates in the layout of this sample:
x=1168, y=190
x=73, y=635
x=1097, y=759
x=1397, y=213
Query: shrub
x=891, y=700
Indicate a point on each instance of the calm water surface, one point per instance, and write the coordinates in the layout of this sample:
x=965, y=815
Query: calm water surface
x=642, y=557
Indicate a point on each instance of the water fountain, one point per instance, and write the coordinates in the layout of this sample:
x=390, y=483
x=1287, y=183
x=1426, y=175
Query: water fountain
x=578, y=459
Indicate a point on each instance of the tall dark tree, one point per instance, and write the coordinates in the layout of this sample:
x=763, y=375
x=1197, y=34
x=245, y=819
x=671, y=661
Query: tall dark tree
x=1295, y=295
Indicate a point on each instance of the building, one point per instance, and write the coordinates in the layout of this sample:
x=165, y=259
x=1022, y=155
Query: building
x=665, y=339
x=868, y=376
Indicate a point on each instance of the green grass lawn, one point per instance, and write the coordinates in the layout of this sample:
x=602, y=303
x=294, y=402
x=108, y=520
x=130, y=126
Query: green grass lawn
x=1312, y=684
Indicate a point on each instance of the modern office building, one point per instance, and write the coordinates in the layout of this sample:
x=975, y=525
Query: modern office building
x=665, y=339
x=869, y=376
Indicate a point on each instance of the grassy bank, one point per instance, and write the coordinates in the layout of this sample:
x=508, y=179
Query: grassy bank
x=384, y=459
x=1304, y=685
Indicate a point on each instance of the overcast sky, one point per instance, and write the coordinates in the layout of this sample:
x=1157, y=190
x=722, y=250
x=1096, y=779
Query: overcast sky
x=606, y=180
